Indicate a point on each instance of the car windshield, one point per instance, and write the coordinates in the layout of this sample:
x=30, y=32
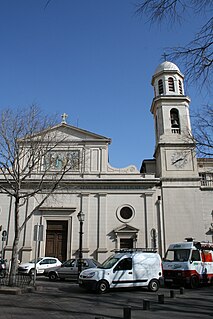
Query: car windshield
x=37, y=260
x=177, y=255
x=109, y=263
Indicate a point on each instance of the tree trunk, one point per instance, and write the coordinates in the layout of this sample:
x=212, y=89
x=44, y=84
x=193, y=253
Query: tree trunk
x=14, y=258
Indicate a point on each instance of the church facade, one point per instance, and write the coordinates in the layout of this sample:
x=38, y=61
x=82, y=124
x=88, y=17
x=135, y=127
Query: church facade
x=169, y=199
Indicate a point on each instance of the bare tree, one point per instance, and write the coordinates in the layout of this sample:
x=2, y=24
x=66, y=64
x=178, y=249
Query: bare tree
x=196, y=56
x=27, y=143
x=203, y=131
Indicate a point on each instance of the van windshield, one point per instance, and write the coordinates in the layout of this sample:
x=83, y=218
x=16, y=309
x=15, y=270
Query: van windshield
x=109, y=263
x=177, y=255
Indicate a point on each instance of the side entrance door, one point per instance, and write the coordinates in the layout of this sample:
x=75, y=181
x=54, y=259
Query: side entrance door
x=56, y=239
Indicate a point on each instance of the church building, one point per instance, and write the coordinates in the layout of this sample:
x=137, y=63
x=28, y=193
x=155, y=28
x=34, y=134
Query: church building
x=169, y=199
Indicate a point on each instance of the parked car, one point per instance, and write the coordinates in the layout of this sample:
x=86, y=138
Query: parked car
x=42, y=264
x=69, y=269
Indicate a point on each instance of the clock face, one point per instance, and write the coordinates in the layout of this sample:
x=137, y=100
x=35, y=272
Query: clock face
x=179, y=159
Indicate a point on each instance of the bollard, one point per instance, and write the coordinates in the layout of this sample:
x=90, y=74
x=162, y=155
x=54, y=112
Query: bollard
x=181, y=290
x=172, y=294
x=146, y=304
x=161, y=298
x=127, y=312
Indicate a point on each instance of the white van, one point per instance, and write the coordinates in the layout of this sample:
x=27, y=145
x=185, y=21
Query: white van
x=188, y=263
x=126, y=268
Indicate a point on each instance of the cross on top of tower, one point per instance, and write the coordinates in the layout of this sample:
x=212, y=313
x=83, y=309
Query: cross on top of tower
x=164, y=56
x=64, y=117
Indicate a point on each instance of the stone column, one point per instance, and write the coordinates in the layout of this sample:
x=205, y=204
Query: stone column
x=102, y=223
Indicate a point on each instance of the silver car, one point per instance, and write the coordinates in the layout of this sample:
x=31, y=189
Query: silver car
x=69, y=269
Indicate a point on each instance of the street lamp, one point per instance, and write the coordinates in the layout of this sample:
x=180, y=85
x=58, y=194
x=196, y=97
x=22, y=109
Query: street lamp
x=80, y=216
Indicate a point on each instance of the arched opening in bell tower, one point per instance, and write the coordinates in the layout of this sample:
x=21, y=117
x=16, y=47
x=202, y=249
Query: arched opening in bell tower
x=175, y=122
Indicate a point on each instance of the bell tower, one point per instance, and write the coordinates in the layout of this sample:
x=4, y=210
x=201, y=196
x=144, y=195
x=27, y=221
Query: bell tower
x=174, y=147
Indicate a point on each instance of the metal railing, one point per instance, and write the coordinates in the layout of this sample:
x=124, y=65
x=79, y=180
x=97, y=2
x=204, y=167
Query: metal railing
x=207, y=182
x=19, y=280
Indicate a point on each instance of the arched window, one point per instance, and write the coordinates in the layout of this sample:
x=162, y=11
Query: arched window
x=160, y=86
x=171, y=84
x=180, y=87
x=175, y=123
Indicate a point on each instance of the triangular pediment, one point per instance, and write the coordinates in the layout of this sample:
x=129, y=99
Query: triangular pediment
x=69, y=133
x=76, y=133
x=126, y=229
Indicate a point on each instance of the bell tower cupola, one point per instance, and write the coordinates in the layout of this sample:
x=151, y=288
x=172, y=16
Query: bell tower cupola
x=168, y=80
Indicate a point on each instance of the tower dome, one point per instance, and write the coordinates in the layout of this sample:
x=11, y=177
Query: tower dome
x=168, y=80
x=166, y=66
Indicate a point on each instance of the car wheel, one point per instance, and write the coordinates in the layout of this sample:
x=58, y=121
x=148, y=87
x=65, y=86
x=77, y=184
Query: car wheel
x=153, y=285
x=52, y=276
x=2, y=274
x=194, y=282
x=102, y=287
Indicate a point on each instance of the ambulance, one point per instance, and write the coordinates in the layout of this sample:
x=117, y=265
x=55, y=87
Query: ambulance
x=125, y=268
x=189, y=263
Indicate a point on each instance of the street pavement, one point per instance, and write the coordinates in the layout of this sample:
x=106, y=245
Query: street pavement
x=60, y=300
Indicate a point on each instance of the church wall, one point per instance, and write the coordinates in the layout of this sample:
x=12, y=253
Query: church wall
x=207, y=210
x=103, y=218
x=182, y=214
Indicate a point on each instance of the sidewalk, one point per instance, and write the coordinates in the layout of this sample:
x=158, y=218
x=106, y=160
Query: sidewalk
x=66, y=300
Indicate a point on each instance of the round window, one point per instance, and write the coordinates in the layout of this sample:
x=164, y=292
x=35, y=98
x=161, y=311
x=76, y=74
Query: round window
x=125, y=213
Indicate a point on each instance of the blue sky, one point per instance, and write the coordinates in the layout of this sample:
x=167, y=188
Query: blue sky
x=94, y=60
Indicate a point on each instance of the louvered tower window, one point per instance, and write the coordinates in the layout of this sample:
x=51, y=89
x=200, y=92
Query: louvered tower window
x=171, y=84
x=160, y=86
x=180, y=87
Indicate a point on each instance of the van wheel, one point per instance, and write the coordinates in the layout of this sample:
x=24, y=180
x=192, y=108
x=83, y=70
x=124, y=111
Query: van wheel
x=153, y=285
x=102, y=287
x=194, y=282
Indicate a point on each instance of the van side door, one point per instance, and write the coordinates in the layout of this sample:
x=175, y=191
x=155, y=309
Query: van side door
x=123, y=273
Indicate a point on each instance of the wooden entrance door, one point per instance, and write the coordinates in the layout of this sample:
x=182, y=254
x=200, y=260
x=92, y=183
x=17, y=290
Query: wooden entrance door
x=56, y=239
